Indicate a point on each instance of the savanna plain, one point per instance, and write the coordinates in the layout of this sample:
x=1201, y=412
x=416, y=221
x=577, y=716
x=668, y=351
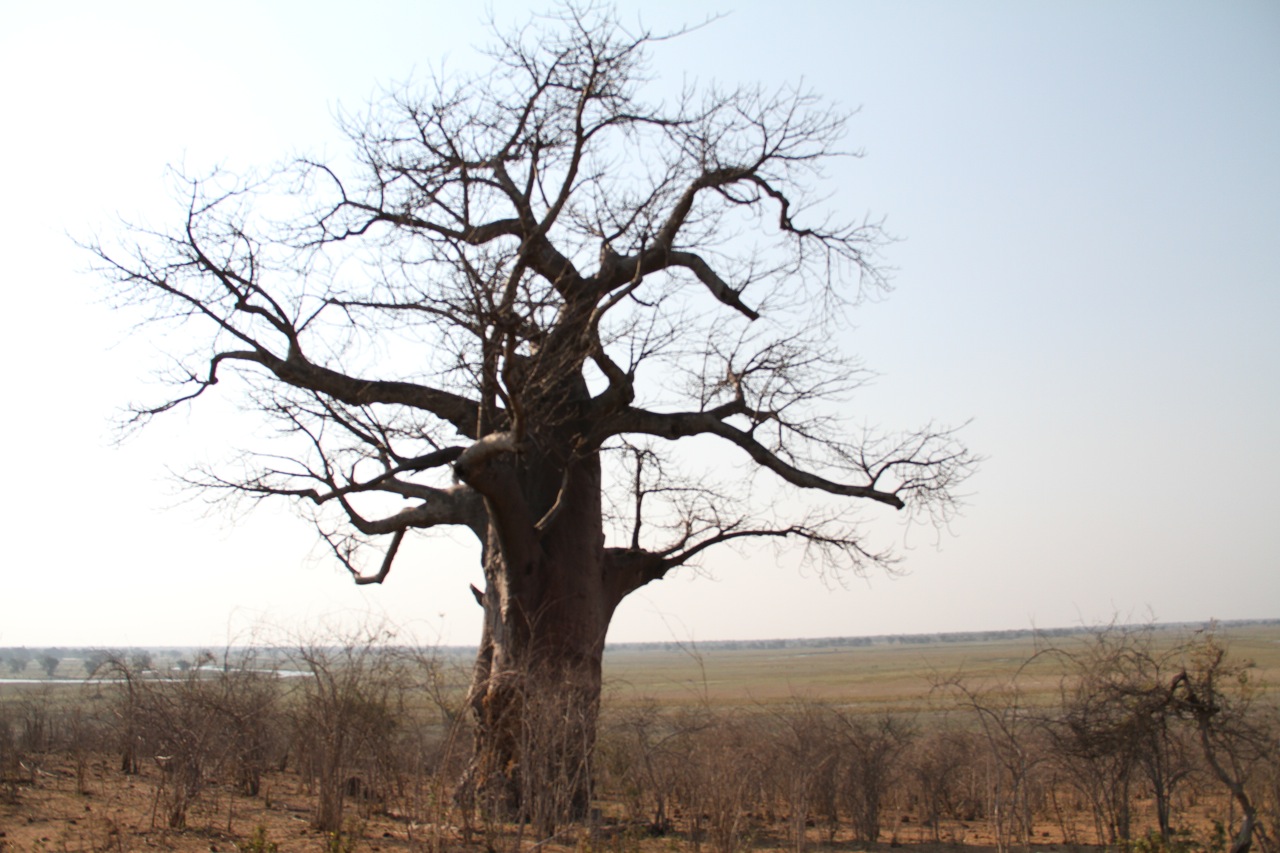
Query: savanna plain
x=1135, y=738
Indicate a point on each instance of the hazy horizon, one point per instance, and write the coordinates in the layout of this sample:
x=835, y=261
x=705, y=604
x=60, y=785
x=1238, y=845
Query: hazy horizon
x=976, y=635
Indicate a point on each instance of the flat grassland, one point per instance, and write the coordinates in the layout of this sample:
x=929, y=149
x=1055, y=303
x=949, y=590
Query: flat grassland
x=889, y=673
x=77, y=802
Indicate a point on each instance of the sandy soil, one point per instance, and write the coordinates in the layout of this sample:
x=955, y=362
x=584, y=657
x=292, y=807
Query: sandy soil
x=120, y=813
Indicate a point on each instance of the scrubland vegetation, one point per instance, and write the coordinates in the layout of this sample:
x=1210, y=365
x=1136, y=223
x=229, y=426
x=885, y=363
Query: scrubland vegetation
x=1137, y=739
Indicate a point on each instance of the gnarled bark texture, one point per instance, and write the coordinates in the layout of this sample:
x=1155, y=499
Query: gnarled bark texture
x=547, y=605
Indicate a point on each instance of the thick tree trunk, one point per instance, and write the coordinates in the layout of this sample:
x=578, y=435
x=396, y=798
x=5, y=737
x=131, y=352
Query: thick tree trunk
x=535, y=692
x=551, y=588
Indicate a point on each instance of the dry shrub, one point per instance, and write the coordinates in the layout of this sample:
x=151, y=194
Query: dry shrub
x=1266, y=786
x=184, y=734
x=943, y=776
x=1113, y=733
x=345, y=718
x=429, y=746
x=208, y=723
x=1220, y=698
x=807, y=766
x=10, y=756
x=869, y=750
x=722, y=775
x=1012, y=758
x=35, y=720
x=82, y=738
x=557, y=736
x=716, y=769
x=640, y=761
x=247, y=702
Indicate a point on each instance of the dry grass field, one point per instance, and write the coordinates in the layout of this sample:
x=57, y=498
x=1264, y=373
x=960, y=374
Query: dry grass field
x=889, y=674
x=728, y=743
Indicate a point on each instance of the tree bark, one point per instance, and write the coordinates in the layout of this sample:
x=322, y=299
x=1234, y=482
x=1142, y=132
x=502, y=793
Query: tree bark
x=548, y=600
x=535, y=691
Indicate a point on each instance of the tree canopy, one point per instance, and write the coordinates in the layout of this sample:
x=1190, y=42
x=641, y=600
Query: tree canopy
x=504, y=231
x=598, y=329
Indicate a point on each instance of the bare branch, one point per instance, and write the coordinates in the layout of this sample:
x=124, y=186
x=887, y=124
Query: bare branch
x=678, y=425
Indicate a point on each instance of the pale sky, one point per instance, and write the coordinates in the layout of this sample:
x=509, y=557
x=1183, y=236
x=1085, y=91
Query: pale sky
x=1088, y=196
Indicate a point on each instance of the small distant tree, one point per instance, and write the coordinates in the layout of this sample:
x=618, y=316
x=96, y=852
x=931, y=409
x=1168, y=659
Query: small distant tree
x=18, y=661
x=94, y=660
x=49, y=663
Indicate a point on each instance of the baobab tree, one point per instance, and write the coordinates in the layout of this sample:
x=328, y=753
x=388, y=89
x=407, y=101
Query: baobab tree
x=529, y=305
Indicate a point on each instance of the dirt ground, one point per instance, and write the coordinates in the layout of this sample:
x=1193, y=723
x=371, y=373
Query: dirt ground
x=121, y=813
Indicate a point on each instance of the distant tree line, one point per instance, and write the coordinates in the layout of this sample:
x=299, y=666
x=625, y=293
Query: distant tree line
x=16, y=659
